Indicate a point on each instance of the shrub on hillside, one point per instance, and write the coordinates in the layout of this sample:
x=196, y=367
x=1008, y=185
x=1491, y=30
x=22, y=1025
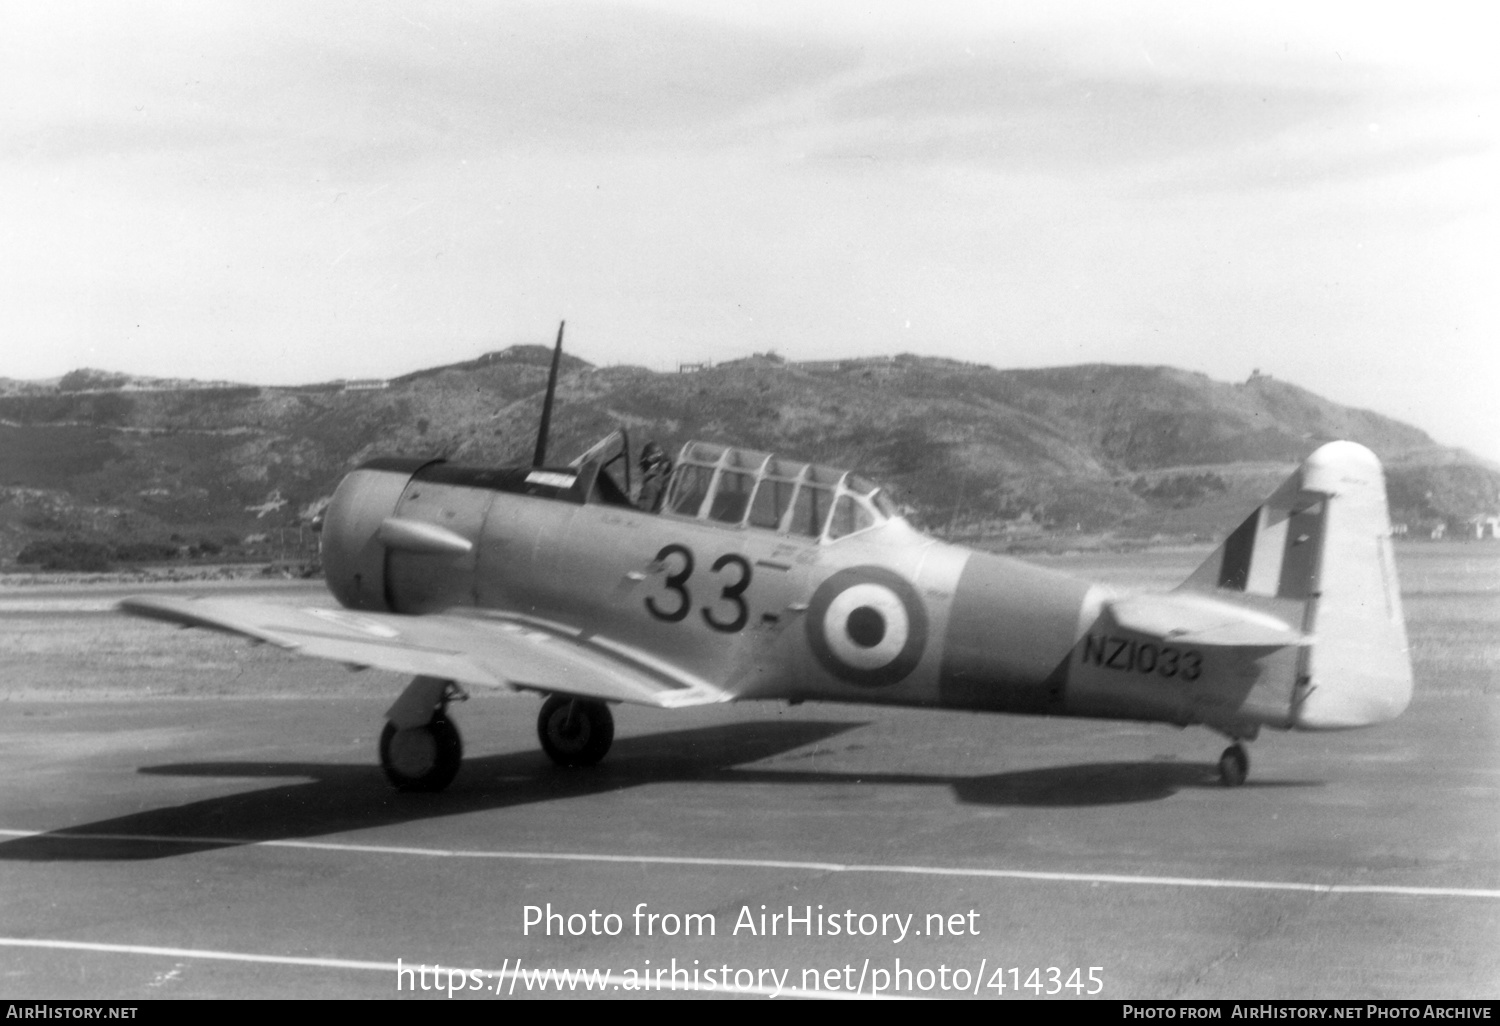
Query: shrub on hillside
x=145, y=552
x=79, y=380
x=65, y=554
x=1181, y=491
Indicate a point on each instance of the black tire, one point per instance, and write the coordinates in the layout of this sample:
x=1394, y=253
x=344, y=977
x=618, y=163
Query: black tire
x=575, y=731
x=424, y=758
x=1234, y=766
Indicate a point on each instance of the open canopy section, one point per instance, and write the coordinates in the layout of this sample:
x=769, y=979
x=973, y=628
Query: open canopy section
x=744, y=488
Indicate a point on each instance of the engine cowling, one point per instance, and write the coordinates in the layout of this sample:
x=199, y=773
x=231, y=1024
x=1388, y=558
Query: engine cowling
x=353, y=554
x=404, y=535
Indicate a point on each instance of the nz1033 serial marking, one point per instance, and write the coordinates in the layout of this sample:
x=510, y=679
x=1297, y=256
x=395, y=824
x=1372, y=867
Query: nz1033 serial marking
x=1142, y=656
x=757, y=577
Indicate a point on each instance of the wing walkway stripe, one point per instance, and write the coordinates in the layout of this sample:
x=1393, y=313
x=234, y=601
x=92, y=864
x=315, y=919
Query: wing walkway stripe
x=602, y=980
x=820, y=867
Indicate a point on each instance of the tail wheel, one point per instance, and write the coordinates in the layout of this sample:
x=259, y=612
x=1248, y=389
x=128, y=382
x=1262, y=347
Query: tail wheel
x=1234, y=766
x=424, y=758
x=575, y=731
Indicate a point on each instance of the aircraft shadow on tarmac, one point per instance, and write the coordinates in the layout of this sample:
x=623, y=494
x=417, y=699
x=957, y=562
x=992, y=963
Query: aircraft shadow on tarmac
x=337, y=797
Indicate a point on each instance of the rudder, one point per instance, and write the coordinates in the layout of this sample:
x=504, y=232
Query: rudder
x=1322, y=541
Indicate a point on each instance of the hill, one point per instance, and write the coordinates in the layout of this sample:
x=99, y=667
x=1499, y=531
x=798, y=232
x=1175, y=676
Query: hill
x=138, y=466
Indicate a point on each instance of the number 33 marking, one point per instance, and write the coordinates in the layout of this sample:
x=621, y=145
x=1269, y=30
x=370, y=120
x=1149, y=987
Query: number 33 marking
x=732, y=593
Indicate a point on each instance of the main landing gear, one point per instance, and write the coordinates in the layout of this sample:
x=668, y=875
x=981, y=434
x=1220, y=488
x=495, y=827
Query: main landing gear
x=1234, y=765
x=420, y=749
x=575, y=731
x=422, y=758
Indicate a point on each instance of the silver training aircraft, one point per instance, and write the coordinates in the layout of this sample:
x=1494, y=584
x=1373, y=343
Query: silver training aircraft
x=765, y=578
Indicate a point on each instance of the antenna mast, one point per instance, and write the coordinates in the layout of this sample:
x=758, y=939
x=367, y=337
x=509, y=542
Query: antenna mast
x=540, y=456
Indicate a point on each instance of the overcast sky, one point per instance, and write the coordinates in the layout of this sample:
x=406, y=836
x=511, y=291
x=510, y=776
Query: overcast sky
x=284, y=192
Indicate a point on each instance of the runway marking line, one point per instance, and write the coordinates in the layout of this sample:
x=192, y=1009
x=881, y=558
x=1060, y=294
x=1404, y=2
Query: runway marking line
x=612, y=980
x=821, y=867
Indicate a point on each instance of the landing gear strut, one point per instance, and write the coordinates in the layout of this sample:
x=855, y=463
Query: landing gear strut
x=417, y=755
x=575, y=731
x=1234, y=765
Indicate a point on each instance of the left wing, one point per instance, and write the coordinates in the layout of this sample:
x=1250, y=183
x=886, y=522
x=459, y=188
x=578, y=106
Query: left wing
x=470, y=646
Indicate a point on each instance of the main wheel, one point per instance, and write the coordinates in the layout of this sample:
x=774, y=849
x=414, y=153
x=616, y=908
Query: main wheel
x=575, y=731
x=1234, y=766
x=424, y=758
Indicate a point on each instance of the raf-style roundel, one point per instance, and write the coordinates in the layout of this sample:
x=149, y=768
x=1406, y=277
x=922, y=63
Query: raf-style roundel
x=867, y=626
x=354, y=622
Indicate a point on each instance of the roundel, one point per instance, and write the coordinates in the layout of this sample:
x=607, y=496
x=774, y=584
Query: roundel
x=867, y=626
x=354, y=622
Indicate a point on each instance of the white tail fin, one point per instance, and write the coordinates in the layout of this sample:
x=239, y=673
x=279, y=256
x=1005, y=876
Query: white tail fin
x=1323, y=541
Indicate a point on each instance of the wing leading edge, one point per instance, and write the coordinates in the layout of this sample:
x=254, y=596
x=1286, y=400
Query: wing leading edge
x=477, y=648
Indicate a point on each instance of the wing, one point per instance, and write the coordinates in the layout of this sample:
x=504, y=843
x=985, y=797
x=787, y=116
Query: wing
x=1194, y=619
x=470, y=646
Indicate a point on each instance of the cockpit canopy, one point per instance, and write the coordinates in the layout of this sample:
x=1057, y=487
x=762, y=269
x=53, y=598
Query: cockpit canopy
x=740, y=487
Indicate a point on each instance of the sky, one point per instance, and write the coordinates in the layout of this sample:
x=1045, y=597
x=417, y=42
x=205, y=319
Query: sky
x=288, y=192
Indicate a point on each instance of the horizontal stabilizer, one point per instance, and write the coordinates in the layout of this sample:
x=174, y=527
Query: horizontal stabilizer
x=1194, y=619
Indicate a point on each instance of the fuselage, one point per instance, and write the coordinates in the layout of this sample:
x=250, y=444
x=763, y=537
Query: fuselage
x=883, y=614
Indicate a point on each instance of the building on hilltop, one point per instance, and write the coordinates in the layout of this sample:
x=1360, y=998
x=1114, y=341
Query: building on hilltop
x=1486, y=525
x=855, y=363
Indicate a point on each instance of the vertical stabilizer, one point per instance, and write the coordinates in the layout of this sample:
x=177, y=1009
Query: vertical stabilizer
x=1323, y=541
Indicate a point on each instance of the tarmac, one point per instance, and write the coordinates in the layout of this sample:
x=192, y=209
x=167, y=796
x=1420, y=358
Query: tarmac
x=243, y=843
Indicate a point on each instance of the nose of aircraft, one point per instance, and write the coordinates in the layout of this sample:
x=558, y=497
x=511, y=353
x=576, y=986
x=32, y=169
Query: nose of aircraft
x=350, y=547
